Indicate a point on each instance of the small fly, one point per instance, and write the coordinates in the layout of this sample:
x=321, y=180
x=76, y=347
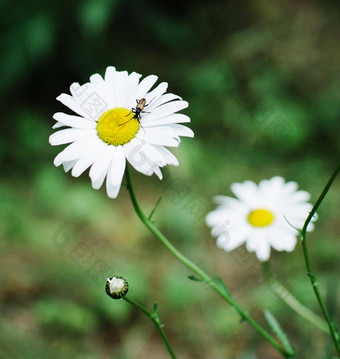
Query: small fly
x=141, y=104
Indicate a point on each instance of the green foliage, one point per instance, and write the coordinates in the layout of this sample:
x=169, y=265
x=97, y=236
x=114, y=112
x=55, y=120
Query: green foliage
x=95, y=15
x=65, y=316
x=20, y=344
x=177, y=292
x=262, y=82
x=275, y=326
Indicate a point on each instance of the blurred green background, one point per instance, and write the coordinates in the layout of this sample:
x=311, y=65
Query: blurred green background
x=262, y=79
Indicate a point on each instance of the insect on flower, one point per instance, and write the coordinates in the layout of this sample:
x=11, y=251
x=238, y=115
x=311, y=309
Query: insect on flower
x=141, y=104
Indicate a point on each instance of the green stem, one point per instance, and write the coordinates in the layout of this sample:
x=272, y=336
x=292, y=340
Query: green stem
x=204, y=277
x=281, y=291
x=310, y=274
x=155, y=319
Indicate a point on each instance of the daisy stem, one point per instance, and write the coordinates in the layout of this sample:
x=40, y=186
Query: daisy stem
x=281, y=291
x=313, y=280
x=204, y=277
x=155, y=319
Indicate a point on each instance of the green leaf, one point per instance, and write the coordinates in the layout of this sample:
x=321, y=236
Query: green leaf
x=298, y=229
x=155, y=308
x=222, y=285
x=336, y=329
x=153, y=211
x=276, y=328
x=195, y=279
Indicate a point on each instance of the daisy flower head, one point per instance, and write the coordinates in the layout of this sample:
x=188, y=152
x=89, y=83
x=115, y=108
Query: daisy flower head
x=261, y=216
x=118, y=118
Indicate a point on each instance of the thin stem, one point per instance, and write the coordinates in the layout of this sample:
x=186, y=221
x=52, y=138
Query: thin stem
x=155, y=319
x=204, y=277
x=310, y=274
x=280, y=290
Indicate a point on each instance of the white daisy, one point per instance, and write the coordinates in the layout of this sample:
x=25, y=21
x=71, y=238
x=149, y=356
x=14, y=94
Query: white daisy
x=110, y=127
x=259, y=216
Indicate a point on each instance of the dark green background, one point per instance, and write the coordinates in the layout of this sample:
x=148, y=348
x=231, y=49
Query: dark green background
x=262, y=80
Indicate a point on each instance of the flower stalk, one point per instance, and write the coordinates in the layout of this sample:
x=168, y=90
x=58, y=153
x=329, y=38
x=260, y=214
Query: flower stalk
x=313, y=280
x=282, y=292
x=155, y=319
x=203, y=276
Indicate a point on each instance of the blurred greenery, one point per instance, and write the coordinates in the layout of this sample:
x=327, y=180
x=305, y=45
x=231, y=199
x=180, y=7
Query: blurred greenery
x=262, y=79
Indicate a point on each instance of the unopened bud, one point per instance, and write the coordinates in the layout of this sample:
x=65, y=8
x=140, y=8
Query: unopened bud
x=116, y=287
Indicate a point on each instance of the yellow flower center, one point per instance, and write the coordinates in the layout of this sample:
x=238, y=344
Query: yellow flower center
x=260, y=217
x=117, y=126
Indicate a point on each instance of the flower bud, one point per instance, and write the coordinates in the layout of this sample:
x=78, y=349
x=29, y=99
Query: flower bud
x=116, y=287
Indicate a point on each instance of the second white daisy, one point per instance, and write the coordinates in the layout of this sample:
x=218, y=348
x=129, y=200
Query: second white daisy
x=108, y=130
x=259, y=216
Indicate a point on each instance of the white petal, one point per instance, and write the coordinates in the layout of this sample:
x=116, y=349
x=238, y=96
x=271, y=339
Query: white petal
x=110, y=74
x=82, y=165
x=166, y=109
x=257, y=242
x=263, y=251
x=85, y=161
x=70, y=135
x=98, y=82
x=145, y=85
x=311, y=226
x=158, y=172
x=230, y=240
x=129, y=97
x=182, y=130
x=220, y=229
x=99, y=181
x=119, y=87
x=283, y=241
x=246, y=191
x=273, y=185
x=68, y=165
x=217, y=217
x=174, y=118
x=154, y=167
x=70, y=153
x=99, y=87
x=153, y=154
x=152, y=104
x=134, y=153
x=73, y=121
x=77, y=150
x=110, y=80
x=227, y=201
x=115, y=172
x=101, y=165
x=169, y=157
x=74, y=105
x=155, y=93
x=163, y=136
x=290, y=187
x=163, y=141
x=58, y=125
x=299, y=196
